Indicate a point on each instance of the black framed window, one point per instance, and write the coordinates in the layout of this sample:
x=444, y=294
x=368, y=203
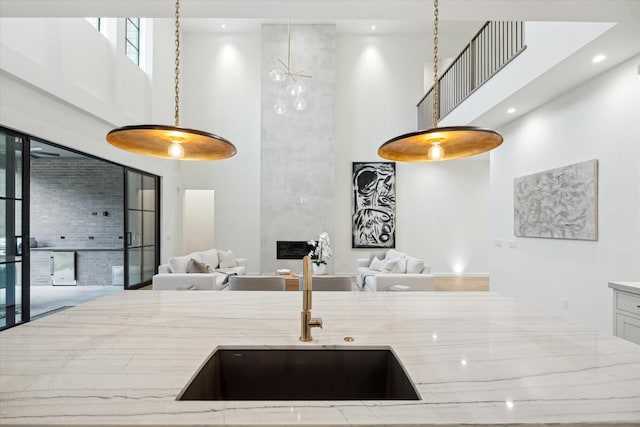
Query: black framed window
x=14, y=229
x=132, y=39
x=142, y=227
x=95, y=22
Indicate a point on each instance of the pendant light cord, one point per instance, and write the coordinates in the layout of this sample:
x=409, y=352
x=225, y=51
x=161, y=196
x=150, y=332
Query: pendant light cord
x=436, y=84
x=177, y=78
x=289, y=49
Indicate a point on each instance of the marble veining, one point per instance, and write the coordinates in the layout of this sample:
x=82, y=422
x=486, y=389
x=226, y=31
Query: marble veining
x=476, y=359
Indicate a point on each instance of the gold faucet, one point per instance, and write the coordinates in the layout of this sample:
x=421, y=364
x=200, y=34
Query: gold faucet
x=307, y=322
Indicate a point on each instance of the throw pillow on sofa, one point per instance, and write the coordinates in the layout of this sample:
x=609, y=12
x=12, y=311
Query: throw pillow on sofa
x=227, y=259
x=210, y=257
x=414, y=265
x=180, y=264
x=380, y=255
x=401, y=258
x=199, y=267
x=394, y=266
x=393, y=254
x=376, y=264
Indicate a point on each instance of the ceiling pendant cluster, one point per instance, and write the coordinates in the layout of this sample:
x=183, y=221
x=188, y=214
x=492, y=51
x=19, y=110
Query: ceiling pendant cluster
x=172, y=142
x=294, y=80
x=435, y=144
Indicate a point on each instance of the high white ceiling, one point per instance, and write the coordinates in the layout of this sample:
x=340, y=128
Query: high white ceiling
x=459, y=21
x=411, y=11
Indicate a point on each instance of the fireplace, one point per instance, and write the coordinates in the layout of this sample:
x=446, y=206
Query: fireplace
x=292, y=249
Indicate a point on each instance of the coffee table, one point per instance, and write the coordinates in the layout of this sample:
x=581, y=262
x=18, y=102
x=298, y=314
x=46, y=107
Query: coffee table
x=290, y=281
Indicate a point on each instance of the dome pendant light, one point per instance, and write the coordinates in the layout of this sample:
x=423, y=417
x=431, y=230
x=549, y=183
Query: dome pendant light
x=435, y=144
x=172, y=142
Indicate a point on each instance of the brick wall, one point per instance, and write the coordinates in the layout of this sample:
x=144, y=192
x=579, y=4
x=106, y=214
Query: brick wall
x=65, y=194
x=92, y=268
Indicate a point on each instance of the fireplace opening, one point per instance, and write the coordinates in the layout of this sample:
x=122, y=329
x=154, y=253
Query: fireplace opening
x=292, y=249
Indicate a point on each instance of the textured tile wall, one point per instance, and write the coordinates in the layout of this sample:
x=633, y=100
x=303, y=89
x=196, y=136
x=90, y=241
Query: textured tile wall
x=297, y=153
x=65, y=192
x=92, y=268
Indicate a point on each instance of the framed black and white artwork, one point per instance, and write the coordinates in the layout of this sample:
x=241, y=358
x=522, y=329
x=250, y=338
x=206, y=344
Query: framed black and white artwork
x=373, y=189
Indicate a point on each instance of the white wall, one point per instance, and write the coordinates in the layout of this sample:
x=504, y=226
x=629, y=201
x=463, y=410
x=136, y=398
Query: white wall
x=221, y=94
x=442, y=209
x=598, y=120
x=69, y=59
x=198, y=220
x=63, y=82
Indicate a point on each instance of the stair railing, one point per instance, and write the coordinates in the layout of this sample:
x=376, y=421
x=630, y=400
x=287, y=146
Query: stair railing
x=494, y=46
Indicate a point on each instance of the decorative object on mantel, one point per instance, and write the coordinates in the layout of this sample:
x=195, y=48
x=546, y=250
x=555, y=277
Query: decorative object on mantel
x=373, y=188
x=172, y=142
x=320, y=253
x=296, y=86
x=559, y=203
x=446, y=143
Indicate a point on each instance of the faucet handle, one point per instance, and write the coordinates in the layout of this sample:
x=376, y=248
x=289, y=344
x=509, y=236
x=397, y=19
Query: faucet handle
x=315, y=322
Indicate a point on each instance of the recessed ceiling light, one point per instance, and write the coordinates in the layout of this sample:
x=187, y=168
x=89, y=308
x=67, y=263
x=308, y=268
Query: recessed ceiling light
x=598, y=58
x=373, y=27
x=511, y=110
x=223, y=26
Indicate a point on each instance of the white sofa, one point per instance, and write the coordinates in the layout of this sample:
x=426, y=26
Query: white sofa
x=206, y=270
x=395, y=269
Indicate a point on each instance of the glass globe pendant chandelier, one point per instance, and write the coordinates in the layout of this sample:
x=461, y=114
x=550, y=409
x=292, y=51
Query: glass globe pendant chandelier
x=296, y=86
x=435, y=144
x=172, y=142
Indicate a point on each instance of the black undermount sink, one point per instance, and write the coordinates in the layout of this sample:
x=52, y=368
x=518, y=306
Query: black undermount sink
x=320, y=373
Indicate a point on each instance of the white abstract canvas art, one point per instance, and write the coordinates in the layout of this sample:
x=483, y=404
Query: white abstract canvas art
x=560, y=203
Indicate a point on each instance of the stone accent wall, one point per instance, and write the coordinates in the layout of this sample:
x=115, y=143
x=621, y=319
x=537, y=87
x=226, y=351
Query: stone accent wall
x=297, y=153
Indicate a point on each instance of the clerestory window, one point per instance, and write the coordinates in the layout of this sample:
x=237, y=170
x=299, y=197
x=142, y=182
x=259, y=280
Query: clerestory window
x=132, y=39
x=95, y=22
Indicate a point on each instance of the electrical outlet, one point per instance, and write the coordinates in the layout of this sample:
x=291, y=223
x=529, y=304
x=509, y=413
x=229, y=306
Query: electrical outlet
x=497, y=243
x=513, y=244
x=565, y=303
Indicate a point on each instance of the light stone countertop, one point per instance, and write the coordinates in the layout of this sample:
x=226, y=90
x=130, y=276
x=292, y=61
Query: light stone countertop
x=476, y=359
x=633, y=287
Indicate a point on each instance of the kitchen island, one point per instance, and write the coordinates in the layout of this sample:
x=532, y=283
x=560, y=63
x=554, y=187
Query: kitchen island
x=475, y=358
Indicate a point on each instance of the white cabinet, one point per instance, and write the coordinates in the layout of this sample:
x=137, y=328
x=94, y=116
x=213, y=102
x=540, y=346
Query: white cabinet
x=626, y=310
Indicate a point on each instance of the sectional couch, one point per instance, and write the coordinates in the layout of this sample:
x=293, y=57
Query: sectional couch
x=206, y=270
x=381, y=272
